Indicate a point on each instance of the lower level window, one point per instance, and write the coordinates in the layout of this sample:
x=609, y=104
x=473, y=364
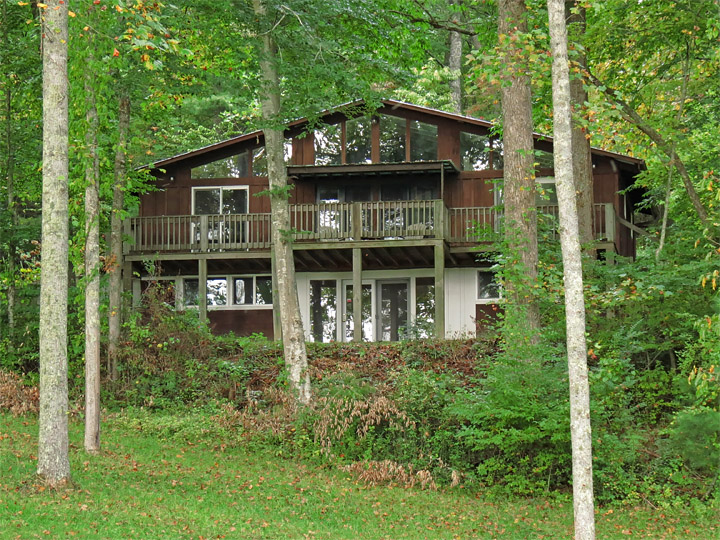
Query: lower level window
x=488, y=289
x=230, y=291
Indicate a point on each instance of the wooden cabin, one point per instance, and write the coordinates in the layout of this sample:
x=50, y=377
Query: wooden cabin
x=389, y=205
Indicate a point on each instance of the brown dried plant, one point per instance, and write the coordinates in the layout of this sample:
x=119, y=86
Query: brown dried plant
x=15, y=396
x=376, y=473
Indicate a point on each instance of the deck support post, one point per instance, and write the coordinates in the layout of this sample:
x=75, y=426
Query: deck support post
x=357, y=294
x=277, y=324
x=202, y=288
x=440, y=290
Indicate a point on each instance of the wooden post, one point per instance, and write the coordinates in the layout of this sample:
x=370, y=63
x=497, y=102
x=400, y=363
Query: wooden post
x=203, y=234
x=440, y=290
x=439, y=220
x=610, y=222
x=277, y=325
x=202, y=286
x=357, y=295
x=356, y=210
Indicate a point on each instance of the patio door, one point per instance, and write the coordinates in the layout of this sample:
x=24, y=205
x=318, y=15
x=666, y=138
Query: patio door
x=392, y=309
x=348, y=326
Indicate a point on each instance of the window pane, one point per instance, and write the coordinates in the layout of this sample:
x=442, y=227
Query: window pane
x=243, y=291
x=323, y=310
x=497, y=150
x=259, y=162
x=328, y=145
x=392, y=139
x=207, y=201
x=217, y=292
x=474, y=152
x=487, y=287
x=358, y=137
x=232, y=167
x=263, y=294
x=544, y=160
x=234, y=201
x=545, y=194
x=366, y=311
x=190, y=292
x=425, y=307
x=423, y=141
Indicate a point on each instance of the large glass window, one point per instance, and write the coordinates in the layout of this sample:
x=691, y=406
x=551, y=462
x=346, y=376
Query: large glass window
x=358, y=140
x=233, y=167
x=488, y=289
x=252, y=290
x=230, y=291
x=423, y=141
x=217, y=292
x=220, y=200
x=474, y=151
x=392, y=139
x=425, y=307
x=328, y=145
x=323, y=310
x=259, y=158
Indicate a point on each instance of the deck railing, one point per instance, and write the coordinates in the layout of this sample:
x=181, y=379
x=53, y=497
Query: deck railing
x=334, y=222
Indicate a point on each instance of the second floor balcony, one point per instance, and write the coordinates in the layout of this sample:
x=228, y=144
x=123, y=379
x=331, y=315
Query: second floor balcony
x=335, y=222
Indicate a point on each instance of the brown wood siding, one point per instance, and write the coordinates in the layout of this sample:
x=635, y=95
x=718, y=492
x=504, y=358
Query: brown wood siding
x=242, y=322
x=486, y=315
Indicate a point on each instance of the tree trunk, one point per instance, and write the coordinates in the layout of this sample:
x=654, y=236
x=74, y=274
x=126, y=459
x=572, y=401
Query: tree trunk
x=116, y=253
x=455, y=65
x=572, y=272
x=582, y=157
x=293, y=335
x=53, y=462
x=10, y=183
x=519, y=175
x=631, y=116
x=92, y=272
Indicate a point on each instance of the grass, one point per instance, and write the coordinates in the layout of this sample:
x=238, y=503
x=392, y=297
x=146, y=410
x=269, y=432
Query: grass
x=152, y=480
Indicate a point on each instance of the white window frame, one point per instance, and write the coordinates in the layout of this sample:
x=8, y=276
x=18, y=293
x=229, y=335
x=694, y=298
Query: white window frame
x=230, y=280
x=195, y=189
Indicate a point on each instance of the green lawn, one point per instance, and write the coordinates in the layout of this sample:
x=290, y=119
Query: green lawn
x=146, y=486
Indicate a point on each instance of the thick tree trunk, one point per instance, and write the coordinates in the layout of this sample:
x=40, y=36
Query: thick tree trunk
x=116, y=253
x=292, y=329
x=53, y=462
x=572, y=271
x=519, y=175
x=455, y=65
x=92, y=274
x=582, y=157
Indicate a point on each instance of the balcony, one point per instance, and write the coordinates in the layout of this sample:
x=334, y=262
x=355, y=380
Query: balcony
x=389, y=221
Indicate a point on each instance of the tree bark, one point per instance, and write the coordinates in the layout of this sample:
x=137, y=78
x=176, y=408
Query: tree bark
x=53, y=461
x=92, y=272
x=116, y=252
x=582, y=157
x=455, y=65
x=518, y=174
x=580, y=432
x=293, y=335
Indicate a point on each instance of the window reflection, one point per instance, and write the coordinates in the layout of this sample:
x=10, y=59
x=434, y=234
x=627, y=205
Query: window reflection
x=328, y=145
x=474, y=151
x=358, y=140
x=323, y=310
x=423, y=141
x=217, y=292
x=392, y=139
x=233, y=167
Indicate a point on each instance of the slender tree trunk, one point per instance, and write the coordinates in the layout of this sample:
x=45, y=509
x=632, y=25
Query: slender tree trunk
x=92, y=272
x=455, y=65
x=116, y=254
x=519, y=175
x=572, y=272
x=631, y=116
x=53, y=461
x=291, y=322
x=10, y=183
x=582, y=157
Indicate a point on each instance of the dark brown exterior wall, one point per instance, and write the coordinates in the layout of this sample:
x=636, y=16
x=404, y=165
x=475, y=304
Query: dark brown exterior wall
x=242, y=322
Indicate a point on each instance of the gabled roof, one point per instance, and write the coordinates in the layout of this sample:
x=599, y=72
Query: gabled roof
x=393, y=104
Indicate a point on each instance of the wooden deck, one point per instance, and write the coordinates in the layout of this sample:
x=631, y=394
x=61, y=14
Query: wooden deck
x=392, y=222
